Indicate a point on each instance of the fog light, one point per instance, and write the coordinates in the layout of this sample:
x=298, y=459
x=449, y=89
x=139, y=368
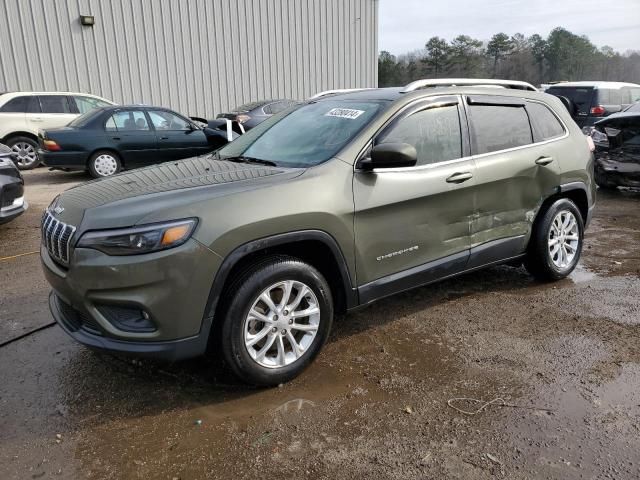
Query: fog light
x=128, y=319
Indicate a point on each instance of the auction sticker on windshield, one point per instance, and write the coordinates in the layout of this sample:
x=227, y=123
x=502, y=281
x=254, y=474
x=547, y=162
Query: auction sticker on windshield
x=349, y=113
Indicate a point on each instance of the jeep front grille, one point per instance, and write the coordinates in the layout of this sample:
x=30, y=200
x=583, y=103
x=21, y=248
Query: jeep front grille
x=56, y=237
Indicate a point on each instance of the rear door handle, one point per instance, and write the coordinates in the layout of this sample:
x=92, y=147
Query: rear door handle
x=115, y=138
x=37, y=119
x=164, y=138
x=542, y=161
x=459, y=177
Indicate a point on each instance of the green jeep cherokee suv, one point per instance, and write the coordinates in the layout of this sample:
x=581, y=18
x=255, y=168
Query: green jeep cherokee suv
x=324, y=207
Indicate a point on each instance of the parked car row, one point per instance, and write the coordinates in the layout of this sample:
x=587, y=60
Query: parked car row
x=23, y=114
x=75, y=131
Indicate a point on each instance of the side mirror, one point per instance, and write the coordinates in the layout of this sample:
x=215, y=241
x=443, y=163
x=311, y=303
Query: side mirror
x=391, y=155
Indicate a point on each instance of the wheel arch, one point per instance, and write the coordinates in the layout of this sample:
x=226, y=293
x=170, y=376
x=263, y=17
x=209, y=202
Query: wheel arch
x=315, y=247
x=11, y=135
x=576, y=192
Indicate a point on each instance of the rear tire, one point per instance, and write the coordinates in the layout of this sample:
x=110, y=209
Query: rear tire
x=556, y=242
x=262, y=321
x=104, y=163
x=27, y=150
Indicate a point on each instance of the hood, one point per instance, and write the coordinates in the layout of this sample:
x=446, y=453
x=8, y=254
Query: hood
x=126, y=198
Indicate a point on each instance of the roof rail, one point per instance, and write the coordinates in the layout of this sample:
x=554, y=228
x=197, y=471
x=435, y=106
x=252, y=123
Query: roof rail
x=336, y=92
x=477, y=82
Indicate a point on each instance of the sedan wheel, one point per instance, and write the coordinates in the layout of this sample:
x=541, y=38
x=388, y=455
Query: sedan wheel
x=27, y=157
x=104, y=164
x=282, y=324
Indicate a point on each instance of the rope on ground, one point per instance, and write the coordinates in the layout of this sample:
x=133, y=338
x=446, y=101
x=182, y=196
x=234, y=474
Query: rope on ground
x=17, y=256
x=499, y=402
x=26, y=334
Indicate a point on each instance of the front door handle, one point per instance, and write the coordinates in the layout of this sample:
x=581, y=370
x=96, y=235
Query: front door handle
x=115, y=138
x=542, y=161
x=459, y=177
x=164, y=138
x=36, y=119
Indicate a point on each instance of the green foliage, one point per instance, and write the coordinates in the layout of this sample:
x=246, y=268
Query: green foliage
x=561, y=56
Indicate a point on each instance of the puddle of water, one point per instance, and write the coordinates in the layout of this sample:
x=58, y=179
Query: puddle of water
x=581, y=274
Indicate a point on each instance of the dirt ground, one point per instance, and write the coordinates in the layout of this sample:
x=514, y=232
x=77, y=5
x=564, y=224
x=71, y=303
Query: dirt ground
x=377, y=403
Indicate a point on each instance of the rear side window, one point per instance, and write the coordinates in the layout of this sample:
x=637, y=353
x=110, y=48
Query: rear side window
x=544, y=123
x=54, y=104
x=434, y=132
x=497, y=127
x=630, y=95
x=28, y=104
x=608, y=96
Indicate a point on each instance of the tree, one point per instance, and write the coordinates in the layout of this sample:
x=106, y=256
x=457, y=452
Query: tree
x=387, y=69
x=466, y=56
x=499, y=47
x=437, y=54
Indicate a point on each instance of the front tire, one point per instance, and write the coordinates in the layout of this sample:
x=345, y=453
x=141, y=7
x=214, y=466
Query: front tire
x=27, y=151
x=104, y=163
x=556, y=242
x=277, y=319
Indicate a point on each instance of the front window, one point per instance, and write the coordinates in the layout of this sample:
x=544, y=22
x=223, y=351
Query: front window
x=305, y=136
x=163, y=120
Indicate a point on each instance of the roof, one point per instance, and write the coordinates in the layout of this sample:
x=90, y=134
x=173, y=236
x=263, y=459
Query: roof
x=18, y=94
x=595, y=84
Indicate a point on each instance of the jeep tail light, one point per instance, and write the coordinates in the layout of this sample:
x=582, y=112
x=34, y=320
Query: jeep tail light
x=592, y=146
x=51, y=145
x=243, y=118
x=597, y=111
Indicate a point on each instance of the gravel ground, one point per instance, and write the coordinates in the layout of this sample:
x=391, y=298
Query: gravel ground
x=561, y=362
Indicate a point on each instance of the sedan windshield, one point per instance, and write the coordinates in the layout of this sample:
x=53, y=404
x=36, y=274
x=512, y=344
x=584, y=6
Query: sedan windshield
x=305, y=135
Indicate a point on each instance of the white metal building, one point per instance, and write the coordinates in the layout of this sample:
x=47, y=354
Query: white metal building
x=200, y=57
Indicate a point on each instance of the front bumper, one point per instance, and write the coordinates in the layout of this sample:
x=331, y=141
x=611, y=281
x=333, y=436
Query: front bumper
x=12, y=201
x=171, y=288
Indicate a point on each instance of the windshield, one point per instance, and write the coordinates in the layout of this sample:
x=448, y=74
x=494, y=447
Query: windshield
x=305, y=135
x=85, y=118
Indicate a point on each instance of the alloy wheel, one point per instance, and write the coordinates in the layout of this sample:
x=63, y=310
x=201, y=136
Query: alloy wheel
x=282, y=324
x=563, y=239
x=26, y=154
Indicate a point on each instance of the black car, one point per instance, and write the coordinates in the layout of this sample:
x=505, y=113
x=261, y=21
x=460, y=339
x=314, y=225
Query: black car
x=617, y=140
x=588, y=102
x=109, y=139
x=252, y=114
x=12, y=202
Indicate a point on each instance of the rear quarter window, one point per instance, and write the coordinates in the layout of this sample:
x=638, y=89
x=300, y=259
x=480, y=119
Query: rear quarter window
x=544, y=123
x=498, y=127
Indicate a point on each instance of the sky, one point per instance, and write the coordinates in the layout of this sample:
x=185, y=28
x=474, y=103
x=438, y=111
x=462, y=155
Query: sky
x=406, y=25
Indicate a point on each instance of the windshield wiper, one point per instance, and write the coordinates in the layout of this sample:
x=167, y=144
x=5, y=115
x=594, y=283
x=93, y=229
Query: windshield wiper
x=258, y=161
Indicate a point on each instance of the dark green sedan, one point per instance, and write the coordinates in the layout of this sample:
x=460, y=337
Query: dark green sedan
x=109, y=139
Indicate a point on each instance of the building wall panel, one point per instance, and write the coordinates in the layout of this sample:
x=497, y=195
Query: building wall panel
x=200, y=57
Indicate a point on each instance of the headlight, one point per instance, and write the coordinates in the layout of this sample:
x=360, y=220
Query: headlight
x=143, y=239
